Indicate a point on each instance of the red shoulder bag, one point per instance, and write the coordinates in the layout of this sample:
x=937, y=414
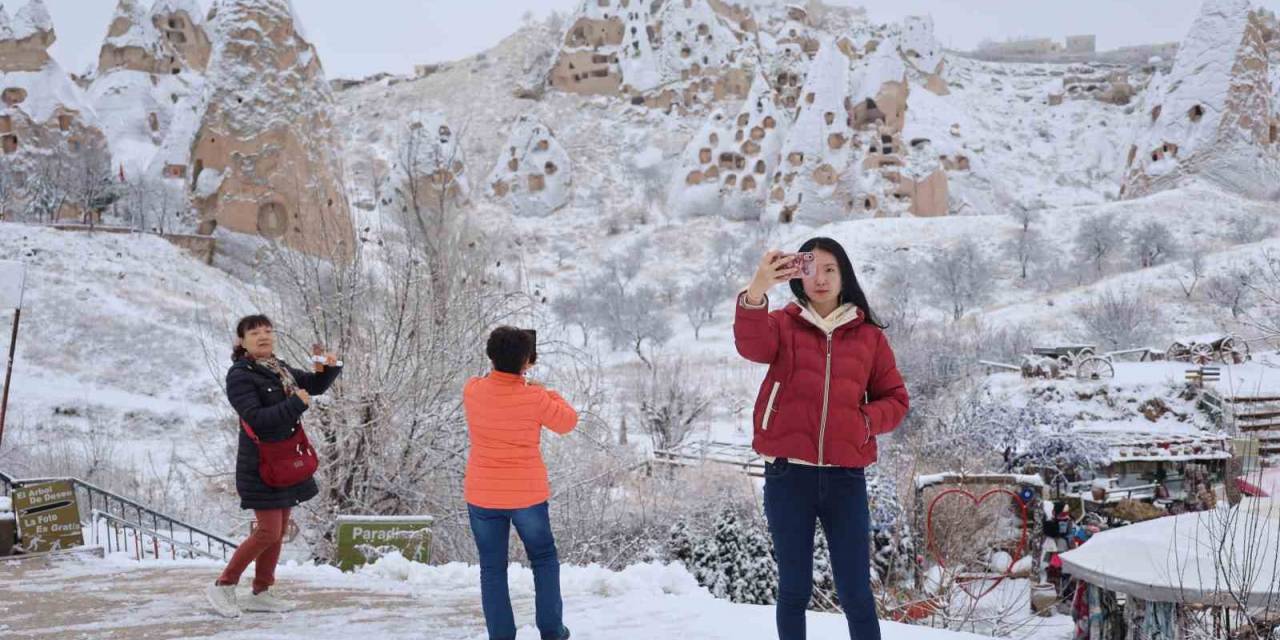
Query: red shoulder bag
x=286, y=463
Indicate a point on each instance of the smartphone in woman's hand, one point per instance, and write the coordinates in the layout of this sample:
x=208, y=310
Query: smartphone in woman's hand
x=805, y=264
x=317, y=357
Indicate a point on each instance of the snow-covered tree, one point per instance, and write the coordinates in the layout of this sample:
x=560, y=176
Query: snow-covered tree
x=735, y=561
x=1098, y=238
x=1151, y=243
x=960, y=277
x=1118, y=318
x=671, y=405
x=1248, y=228
x=1234, y=288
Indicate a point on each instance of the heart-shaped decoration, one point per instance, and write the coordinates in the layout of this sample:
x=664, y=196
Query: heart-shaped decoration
x=932, y=540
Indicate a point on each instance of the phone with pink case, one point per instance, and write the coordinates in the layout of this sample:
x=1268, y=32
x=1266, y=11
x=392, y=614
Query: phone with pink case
x=805, y=263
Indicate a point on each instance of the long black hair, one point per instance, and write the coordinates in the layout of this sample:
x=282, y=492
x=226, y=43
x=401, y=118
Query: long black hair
x=247, y=324
x=850, y=290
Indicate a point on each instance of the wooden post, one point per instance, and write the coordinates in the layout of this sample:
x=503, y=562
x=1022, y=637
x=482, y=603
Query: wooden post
x=8, y=371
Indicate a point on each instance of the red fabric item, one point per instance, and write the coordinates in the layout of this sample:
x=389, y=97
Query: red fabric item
x=793, y=389
x=263, y=545
x=1250, y=489
x=286, y=463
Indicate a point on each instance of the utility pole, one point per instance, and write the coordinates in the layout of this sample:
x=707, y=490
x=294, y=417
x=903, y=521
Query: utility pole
x=12, y=282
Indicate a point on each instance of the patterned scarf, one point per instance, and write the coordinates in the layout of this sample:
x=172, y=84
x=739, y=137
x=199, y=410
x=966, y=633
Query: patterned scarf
x=273, y=364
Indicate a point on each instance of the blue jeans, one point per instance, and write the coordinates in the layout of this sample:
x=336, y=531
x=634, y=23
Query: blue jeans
x=492, y=531
x=795, y=498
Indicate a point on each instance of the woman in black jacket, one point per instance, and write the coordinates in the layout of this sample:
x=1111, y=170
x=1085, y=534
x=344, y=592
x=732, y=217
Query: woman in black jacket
x=270, y=397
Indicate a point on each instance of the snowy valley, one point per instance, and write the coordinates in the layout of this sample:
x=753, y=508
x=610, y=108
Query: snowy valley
x=1077, y=263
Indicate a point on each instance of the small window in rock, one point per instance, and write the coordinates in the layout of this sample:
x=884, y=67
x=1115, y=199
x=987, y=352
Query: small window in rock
x=272, y=219
x=1196, y=113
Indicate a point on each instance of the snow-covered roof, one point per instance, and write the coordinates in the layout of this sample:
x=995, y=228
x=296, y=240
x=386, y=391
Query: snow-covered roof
x=31, y=20
x=1193, y=558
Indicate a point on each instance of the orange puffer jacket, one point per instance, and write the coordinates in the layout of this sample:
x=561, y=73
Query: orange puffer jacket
x=505, y=416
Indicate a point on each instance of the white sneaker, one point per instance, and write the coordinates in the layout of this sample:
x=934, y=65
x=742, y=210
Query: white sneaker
x=223, y=600
x=266, y=602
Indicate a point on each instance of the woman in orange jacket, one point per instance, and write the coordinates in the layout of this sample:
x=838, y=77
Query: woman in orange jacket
x=506, y=480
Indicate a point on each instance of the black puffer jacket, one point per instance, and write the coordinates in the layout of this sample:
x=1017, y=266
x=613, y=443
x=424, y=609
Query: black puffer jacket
x=258, y=397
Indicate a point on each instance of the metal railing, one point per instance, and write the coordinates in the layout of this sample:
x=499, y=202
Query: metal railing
x=122, y=511
x=117, y=538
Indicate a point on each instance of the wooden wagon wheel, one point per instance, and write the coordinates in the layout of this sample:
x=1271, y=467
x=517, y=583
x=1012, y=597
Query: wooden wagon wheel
x=1176, y=351
x=1095, y=368
x=1233, y=351
x=1202, y=353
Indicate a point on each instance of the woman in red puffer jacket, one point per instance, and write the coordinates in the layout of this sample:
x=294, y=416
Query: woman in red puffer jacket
x=831, y=388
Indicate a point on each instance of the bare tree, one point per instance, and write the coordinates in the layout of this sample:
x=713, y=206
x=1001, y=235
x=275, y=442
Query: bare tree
x=1026, y=248
x=1188, y=280
x=1152, y=244
x=8, y=191
x=1248, y=228
x=900, y=291
x=1234, y=288
x=1118, y=318
x=1098, y=238
x=670, y=406
x=727, y=265
x=960, y=277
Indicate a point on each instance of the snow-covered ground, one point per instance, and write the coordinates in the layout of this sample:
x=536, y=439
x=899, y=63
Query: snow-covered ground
x=125, y=336
x=121, y=598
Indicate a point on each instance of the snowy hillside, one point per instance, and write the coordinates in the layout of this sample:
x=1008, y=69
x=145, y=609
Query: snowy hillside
x=123, y=339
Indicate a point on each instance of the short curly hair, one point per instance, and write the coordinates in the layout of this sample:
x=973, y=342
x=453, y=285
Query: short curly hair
x=510, y=349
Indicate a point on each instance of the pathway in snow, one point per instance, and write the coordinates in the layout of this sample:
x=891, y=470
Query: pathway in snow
x=118, y=598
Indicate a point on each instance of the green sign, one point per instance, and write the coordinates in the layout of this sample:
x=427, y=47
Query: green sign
x=48, y=518
x=364, y=538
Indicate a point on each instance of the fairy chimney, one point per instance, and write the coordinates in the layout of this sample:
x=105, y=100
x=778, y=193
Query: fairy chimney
x=264, y=158
x=25, y=39
x=533, y=174
x=1213, y=116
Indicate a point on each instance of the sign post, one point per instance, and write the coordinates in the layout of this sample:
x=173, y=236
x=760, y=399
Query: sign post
x=12, y=281
x=48, y=516
x=363, y=538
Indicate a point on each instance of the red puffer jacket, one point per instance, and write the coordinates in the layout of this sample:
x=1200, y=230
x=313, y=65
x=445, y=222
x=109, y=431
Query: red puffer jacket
x=825, y=398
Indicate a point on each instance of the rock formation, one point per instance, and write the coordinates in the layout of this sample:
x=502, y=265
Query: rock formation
x=533, y=173
x=265, y=157
x=1215, y=115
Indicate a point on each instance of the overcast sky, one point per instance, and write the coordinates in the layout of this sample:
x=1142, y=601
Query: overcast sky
x=361, y=37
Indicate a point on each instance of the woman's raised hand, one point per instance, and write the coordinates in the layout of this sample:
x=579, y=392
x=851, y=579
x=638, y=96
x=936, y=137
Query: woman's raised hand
x=775, y=268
